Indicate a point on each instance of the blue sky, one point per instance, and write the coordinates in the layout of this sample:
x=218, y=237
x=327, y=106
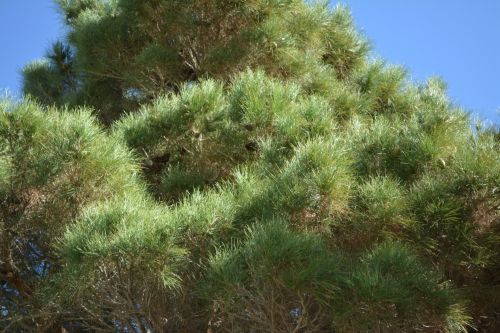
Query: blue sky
x=458, y=40
x=27, y=28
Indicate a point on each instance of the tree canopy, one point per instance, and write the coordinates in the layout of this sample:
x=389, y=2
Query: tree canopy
x=240, y=166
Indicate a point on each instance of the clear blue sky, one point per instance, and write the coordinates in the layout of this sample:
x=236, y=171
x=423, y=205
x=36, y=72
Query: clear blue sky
x=458, y=40
x=27, y=29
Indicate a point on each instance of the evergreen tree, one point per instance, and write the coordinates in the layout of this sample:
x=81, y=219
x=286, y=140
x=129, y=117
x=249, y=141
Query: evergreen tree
x=240, y=166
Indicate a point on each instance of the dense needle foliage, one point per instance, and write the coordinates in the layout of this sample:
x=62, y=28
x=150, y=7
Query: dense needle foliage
x=240, y=166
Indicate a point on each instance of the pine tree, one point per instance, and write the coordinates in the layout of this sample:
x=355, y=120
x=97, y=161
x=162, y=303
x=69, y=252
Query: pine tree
x=240, y=166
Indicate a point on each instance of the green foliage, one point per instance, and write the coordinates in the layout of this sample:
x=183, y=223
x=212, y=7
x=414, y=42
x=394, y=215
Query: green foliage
x=153, y=47
x=240, y=166
x=276, y=281
x=384, y=88
x=5, y=172
x=456, y=209
x=276, y=271
x=53, y=80
x=393, y=292
x=55, y=162
x=60, y=157
x=345, y=49
x=382, y=199
x=392, y=146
